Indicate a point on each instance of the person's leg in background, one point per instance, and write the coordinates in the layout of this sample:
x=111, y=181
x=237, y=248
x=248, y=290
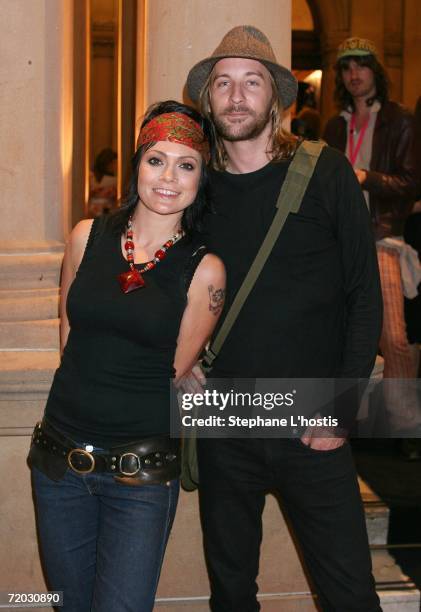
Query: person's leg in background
x=400, y=357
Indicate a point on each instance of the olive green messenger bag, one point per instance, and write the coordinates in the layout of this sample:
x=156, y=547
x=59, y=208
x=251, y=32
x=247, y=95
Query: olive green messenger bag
x=289, y=201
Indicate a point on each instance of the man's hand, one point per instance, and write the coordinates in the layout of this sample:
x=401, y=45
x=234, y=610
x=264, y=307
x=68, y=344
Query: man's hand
x=192, y=382
x=361, y=175
x=322, y=438
x=317, y=442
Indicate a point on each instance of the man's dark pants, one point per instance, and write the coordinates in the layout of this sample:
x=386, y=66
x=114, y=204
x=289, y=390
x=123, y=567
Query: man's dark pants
x=320, y=494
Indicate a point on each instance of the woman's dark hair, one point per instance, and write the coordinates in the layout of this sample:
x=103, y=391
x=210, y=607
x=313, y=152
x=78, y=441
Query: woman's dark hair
x=102, y=161
x=342, y=96
x=191, y=220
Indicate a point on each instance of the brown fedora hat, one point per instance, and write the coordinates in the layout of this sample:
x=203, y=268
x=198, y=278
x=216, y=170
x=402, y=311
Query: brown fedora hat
x=248, y=42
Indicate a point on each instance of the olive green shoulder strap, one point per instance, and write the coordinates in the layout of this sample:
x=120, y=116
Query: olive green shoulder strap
x=289, y=200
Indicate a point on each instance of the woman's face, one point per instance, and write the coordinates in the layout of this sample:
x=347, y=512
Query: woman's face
x=169, y=175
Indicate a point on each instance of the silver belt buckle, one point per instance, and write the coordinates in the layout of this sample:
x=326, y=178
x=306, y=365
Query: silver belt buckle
x=129, y=473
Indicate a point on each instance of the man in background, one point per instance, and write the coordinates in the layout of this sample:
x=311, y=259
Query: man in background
x=377, y=136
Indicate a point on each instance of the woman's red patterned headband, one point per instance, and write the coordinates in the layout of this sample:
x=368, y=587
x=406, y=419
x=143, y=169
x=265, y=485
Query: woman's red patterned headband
x=175, y=127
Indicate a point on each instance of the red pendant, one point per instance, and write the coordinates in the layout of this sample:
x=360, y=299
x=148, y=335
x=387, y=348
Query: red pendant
x=131, y=280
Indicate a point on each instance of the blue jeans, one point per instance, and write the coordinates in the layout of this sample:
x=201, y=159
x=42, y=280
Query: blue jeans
x=102, y=542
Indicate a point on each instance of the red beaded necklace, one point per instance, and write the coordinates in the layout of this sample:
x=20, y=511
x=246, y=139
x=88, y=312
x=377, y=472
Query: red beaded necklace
x=133, y=279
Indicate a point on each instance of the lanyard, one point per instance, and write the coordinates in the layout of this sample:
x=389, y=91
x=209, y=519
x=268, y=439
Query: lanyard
x=353, y=153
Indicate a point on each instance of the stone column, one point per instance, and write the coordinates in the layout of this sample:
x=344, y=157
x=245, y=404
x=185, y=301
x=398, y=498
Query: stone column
x=35, y=167
x=36, y=108
x=35, y=162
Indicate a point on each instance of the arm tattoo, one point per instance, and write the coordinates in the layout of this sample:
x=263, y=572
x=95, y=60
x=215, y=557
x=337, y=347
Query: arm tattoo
x=216, y=299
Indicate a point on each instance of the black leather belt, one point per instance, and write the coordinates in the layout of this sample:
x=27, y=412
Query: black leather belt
x=147, y=461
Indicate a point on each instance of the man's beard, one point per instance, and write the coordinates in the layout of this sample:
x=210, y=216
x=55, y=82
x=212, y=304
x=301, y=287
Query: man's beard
x=356, y=90
x=247, y=130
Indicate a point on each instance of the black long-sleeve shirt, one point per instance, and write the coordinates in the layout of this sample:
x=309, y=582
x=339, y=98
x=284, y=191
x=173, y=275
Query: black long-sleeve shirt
x=316, y=308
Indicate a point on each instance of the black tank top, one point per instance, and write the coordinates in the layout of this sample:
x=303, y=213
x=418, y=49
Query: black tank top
x=113, y=383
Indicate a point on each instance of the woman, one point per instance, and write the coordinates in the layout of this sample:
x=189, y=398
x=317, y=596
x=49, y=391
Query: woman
x=105, y=470
x=103, y=183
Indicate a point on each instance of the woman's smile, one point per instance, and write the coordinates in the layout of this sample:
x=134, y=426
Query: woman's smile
x=167, y=193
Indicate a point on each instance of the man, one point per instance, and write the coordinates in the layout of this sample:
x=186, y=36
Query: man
x=314, y=312
x=377, y=137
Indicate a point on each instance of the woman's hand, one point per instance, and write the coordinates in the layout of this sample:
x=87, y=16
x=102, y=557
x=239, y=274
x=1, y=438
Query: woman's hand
x=205, y=301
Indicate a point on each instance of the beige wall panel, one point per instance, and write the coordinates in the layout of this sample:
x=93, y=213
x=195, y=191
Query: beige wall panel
x=103, y=106
x=393, y=45
x=327, y=103
x=301, y=18
x=104, y=10
x=81, y=92
x=393, y=23
x=22, y=414
x=395, y=76
x=182, y=32
x=19, y=563
x=334, y=25
x=412, y=53
x=367, y=20
x=334, y=16
x=35, y=111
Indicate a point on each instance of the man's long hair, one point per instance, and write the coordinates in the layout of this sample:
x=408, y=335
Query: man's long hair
x=282, y=146
x=342, y=96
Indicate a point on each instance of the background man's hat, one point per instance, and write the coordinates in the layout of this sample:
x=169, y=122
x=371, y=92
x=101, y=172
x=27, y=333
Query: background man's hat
x=356, y=46
x=251, y=43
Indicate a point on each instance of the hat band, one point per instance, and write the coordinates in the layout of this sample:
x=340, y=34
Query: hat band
x=356, y=52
